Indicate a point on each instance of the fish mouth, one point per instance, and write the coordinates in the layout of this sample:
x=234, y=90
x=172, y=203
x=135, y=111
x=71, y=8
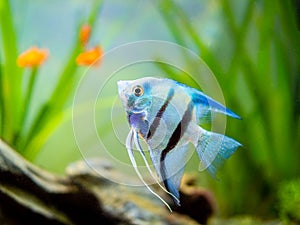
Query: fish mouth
x=122, y=86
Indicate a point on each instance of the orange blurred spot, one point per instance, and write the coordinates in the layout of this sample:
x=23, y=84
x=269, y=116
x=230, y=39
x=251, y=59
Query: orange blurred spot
x=32, y=57
x=84, y=34
x=89, y=57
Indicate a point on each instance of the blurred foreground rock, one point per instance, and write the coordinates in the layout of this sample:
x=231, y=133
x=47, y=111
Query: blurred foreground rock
x=30, y=195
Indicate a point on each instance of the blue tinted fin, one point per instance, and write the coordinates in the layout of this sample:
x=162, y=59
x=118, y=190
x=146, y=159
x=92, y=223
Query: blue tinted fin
x=204, y=115
x=213, y=149
x=205, y=103
x=172, y=168
x=172, y=189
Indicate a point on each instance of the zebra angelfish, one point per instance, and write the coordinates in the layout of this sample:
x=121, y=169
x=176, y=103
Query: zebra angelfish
x=165, y=114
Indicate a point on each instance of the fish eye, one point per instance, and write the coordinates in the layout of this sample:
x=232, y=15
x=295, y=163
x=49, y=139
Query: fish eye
x=138, y=91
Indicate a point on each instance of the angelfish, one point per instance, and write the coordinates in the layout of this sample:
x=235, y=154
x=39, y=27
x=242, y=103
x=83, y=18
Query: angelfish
x=166, y=115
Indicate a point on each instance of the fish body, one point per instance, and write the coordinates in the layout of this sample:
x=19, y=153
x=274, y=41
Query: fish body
x=165, y=114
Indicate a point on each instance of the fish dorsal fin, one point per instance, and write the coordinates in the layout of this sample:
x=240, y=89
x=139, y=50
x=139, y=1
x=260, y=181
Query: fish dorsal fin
x=205, y=105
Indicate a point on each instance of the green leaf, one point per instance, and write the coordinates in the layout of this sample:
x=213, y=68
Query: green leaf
x=64, y=88
x=11, y=79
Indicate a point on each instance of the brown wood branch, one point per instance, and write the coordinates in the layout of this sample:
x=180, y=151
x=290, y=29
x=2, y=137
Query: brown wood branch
x=30, y=195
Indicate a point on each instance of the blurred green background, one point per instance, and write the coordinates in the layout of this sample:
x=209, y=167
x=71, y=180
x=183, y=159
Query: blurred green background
x=251, y=46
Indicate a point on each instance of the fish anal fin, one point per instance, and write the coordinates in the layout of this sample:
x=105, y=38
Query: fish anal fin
x=172, y=168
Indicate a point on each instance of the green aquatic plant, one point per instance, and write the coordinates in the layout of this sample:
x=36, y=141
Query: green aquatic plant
x=251, y=46
x=259, y=76
x=289, y=200
x=29, y=135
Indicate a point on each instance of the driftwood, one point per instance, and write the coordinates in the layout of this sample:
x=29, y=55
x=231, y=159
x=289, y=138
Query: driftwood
x=30, y=195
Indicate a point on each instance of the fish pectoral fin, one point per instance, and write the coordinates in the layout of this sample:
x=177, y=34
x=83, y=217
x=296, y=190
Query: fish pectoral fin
x=213, y=149
x=129, y=146
x=172, y=168
x=139, y=147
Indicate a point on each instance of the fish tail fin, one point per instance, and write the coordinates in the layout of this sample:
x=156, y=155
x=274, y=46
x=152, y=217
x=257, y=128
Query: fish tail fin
x=213, y=149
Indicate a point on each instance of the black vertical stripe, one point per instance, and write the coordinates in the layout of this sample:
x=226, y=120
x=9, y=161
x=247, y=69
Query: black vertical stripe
x=179, y=131
x=159, y=115
x=175, y=138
